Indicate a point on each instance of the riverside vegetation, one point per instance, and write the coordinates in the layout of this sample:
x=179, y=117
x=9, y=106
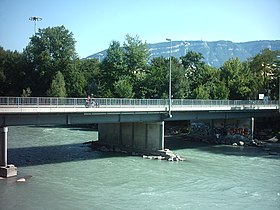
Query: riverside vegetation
x=49, y=66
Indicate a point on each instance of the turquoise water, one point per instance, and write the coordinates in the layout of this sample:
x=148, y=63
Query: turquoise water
x=68, y=175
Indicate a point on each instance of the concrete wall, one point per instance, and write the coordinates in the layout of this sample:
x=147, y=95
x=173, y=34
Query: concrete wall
x=144, y=135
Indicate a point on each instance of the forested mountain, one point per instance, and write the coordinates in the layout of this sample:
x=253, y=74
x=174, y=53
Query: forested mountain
x=215, y=53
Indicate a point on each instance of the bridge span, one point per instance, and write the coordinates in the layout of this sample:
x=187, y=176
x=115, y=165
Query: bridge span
x=42, y=110
x=131, y=123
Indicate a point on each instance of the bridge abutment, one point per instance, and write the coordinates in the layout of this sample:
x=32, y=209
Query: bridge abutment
x=5, y=169
x=136, y=135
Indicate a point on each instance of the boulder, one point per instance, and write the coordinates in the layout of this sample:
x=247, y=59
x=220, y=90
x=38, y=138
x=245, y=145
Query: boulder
x=117, y=149
x=104, y=149
x=21, y=180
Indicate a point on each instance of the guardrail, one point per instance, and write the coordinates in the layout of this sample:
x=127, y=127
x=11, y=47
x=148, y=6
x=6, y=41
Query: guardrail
x=120, y=102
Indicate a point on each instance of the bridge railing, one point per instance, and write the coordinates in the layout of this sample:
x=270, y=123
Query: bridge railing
x=120, y=102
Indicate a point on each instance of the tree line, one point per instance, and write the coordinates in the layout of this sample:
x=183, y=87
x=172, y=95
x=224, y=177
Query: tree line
x=49, y=66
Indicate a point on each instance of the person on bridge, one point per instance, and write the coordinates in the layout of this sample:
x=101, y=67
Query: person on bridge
x=88, y=101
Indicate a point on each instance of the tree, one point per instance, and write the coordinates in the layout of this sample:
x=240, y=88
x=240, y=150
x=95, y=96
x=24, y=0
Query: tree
x=265, y=66
x=91, y=71
x=193, y=65
x=210, y=85
x=57, y=88
x=157, y=78
x=123, y=88
x=112, y=68
x=136, y=57
x=202, y=92
x=136, y=54
x=180, y=84
x=76, y=82
x=12, y=72
x=238, y=78
x=49, y=51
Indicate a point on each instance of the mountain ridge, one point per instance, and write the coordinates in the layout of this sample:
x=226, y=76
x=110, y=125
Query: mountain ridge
x=215, y=53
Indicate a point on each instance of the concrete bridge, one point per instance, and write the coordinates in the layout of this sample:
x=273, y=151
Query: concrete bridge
x=133, y=123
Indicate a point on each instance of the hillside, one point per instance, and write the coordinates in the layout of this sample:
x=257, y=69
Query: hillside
x=214, y=53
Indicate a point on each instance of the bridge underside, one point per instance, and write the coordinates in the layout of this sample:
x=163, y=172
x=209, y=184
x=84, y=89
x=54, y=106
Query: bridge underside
x=120, y=117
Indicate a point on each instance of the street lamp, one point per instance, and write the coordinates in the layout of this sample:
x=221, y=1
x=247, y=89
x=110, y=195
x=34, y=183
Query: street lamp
x=35, y=19
x=169, y=110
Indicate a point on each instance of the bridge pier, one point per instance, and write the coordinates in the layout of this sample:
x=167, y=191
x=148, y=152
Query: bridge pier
x=146, y=136
x=5, y=169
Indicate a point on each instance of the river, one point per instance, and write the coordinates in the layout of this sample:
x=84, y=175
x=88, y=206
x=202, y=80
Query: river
x=69, y=175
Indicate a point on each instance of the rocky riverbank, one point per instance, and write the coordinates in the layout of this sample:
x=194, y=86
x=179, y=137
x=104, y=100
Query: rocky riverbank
x=267, y=139
x=165, y=154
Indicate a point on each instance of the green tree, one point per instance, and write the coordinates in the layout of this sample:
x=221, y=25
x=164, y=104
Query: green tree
x=57, y=88
x=136, y=54
x=157, y=78
x=179, y=83
x=52, y=49
x=91, y=71
x=136, y=57
x=76, y=82
x=123, y=88
x=113, y=67
x=202, y=92
x=265, y=66
x=12, y=72
x=238, y=78
x=193, y=65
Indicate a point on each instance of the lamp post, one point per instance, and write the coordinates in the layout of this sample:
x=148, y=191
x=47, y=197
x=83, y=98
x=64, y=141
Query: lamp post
x=170, y=93
x=35, y=19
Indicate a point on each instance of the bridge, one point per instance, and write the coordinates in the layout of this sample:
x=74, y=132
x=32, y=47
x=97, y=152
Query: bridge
x=132, y=123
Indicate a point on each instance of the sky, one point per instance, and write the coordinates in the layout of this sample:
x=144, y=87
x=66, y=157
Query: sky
x=95, y=23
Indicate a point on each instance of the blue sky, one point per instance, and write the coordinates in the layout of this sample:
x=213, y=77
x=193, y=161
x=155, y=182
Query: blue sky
x=95, y=23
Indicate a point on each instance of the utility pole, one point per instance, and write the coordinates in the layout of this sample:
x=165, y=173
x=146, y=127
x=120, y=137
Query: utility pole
x=35, y=19
x=170, y=92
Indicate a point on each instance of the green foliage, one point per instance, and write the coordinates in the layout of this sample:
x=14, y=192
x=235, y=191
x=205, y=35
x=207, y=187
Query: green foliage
x=266, y=68
x=49, y=66
x=157, y=79
x=90, y=68
x=124, y=88
x=49, y=51
x=57, y=88
x=136, y=54
x=238, y=78
x=202, y=92
x=113, y=67
x=12, y=72
x=26, y=92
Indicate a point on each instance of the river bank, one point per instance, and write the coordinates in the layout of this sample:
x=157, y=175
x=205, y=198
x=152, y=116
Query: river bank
x=266, y=135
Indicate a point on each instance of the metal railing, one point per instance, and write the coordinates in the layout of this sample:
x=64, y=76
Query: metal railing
x=120, y=102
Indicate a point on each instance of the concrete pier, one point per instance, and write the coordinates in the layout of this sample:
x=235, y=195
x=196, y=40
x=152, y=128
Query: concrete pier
x=139, y=136
x=5, y=169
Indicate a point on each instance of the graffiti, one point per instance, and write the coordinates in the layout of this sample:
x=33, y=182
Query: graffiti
x=238, y=131
x=221, y=131
x=200, y=129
